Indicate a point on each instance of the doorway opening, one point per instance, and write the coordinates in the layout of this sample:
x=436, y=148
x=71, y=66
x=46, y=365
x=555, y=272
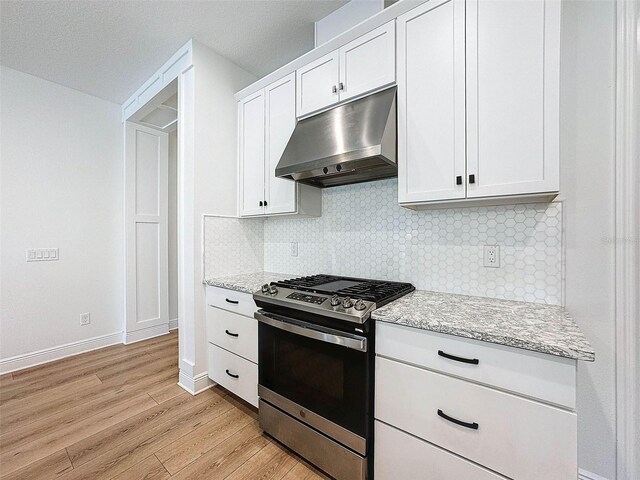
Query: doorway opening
x=151, y=216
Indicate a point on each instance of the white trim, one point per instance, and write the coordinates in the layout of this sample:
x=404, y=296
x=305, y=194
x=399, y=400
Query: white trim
x=584, y=475
x=146, y=333
x=56, y=353
x=173, y=324
x=627, y=240
x=166, y=74
x=195, y=385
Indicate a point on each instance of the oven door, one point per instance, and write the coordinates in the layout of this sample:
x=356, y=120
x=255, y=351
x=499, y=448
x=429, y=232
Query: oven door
x=315, y=374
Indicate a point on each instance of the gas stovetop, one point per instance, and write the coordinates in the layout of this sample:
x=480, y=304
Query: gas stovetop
x=343, y=298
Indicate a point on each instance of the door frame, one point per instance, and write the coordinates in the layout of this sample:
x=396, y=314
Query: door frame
x=627, y=240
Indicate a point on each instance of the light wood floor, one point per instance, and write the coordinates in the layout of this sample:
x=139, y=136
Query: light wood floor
x=118, y=413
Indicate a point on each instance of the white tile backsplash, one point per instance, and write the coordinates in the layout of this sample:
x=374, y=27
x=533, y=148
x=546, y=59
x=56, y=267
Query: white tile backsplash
x=363, y=232
x=233, y=245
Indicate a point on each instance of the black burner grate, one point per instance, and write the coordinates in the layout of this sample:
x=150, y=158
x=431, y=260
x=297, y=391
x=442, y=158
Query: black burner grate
x=379, y=291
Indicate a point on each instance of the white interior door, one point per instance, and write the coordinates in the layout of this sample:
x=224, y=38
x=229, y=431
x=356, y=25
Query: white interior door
x=280, y=122
x=147, y=257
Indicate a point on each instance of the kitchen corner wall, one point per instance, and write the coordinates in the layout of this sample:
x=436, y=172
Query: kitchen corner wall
x=364, y=233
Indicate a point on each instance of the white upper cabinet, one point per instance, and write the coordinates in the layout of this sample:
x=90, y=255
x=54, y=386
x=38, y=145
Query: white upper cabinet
x=266, y=120
x=363, y=65
x=513, y=62
x=497, y=138
x=280, y=116
x=318, y=84
x=251, y=154
x=431, y=102
x=368, y=62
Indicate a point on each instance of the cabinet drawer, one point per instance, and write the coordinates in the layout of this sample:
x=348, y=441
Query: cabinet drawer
x=233, y=332
x=514, y=436
x=536, y=375
x=236, y=374
x=237, y=302
x=398, y=455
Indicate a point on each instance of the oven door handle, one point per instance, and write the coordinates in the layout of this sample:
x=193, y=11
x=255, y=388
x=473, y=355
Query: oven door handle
x=315, y=332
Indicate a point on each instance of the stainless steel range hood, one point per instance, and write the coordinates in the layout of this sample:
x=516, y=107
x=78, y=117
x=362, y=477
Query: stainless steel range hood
x=351, y=143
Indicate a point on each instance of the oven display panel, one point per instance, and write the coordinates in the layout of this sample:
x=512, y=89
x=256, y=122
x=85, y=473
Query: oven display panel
x=305, y=297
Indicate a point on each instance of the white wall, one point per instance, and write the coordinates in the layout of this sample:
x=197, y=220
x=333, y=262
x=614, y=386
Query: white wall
x=209, y=171
x=173, y=225
x=587, y=183
x=344, y=18
x=62, y=186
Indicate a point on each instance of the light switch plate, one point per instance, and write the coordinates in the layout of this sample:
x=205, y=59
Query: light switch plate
x=42, y=254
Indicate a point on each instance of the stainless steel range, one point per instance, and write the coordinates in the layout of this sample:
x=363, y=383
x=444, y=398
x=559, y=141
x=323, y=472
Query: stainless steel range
x=316, y=367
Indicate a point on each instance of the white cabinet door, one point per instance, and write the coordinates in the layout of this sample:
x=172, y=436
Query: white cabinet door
x=280, y=118
x=513, y=51
x=317, y=84
x=251, y=154
x=368, y=62
x=431, y=102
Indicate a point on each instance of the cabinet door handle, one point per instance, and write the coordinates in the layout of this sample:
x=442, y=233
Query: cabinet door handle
x=260, y=203
x=233, y=375
x=231, y=334
x=334, y=89
x=473, y=361
x=265, y=203
x=235, y=302
x=472, y=426
x=341, y=86
x=459, y=180
x=472, y=178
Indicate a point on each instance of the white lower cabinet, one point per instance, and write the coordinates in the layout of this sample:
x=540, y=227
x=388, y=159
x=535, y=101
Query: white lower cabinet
x=428, y=408
x=236, y=374
x=399, y=455
x=232, y=342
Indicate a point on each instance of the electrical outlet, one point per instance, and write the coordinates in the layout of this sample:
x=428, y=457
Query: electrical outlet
x=491, y=256
x=85, y=318
x=294, y=249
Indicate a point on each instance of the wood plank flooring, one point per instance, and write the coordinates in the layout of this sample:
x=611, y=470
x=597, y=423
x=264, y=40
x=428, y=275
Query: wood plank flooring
x=117, y=413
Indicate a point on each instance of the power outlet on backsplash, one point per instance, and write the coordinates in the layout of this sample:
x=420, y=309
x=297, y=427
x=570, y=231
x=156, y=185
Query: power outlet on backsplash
x=491, y=256
x=294, y=249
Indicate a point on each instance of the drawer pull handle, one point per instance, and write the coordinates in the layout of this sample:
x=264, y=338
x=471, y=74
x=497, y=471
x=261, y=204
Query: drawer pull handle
x=235, y=302
x=473, y=361
x=472, y=426
x=231, y=334
x=238, y=376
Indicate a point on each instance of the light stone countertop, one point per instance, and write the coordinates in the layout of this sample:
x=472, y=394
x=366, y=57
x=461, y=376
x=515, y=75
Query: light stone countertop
x=247, y=282
x=531, y=326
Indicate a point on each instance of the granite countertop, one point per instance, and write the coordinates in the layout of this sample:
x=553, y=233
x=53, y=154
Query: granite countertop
x=530, y=326
x=247, y=282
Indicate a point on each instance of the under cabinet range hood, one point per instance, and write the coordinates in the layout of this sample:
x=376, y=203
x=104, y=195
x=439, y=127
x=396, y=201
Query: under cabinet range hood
x=351, y=143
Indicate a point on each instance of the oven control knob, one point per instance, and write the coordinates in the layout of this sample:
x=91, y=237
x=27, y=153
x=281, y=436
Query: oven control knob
x=347, y=303
x=273, y=289
x=335, y=300
x=265, y=288
x=360, y=305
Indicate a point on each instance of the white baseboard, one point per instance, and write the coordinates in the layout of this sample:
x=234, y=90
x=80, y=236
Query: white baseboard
x=584, y=475
x=195, y=385
x=146, y=333
x=173, y=324
x=56, y=353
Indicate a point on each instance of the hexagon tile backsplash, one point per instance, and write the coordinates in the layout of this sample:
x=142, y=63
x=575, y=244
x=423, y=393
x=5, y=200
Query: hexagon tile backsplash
x=364, y=233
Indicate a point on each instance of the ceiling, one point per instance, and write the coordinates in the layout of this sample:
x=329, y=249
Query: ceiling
x=108, y=48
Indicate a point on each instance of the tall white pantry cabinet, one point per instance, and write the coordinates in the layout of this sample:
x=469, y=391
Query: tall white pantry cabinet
x=478, y=101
